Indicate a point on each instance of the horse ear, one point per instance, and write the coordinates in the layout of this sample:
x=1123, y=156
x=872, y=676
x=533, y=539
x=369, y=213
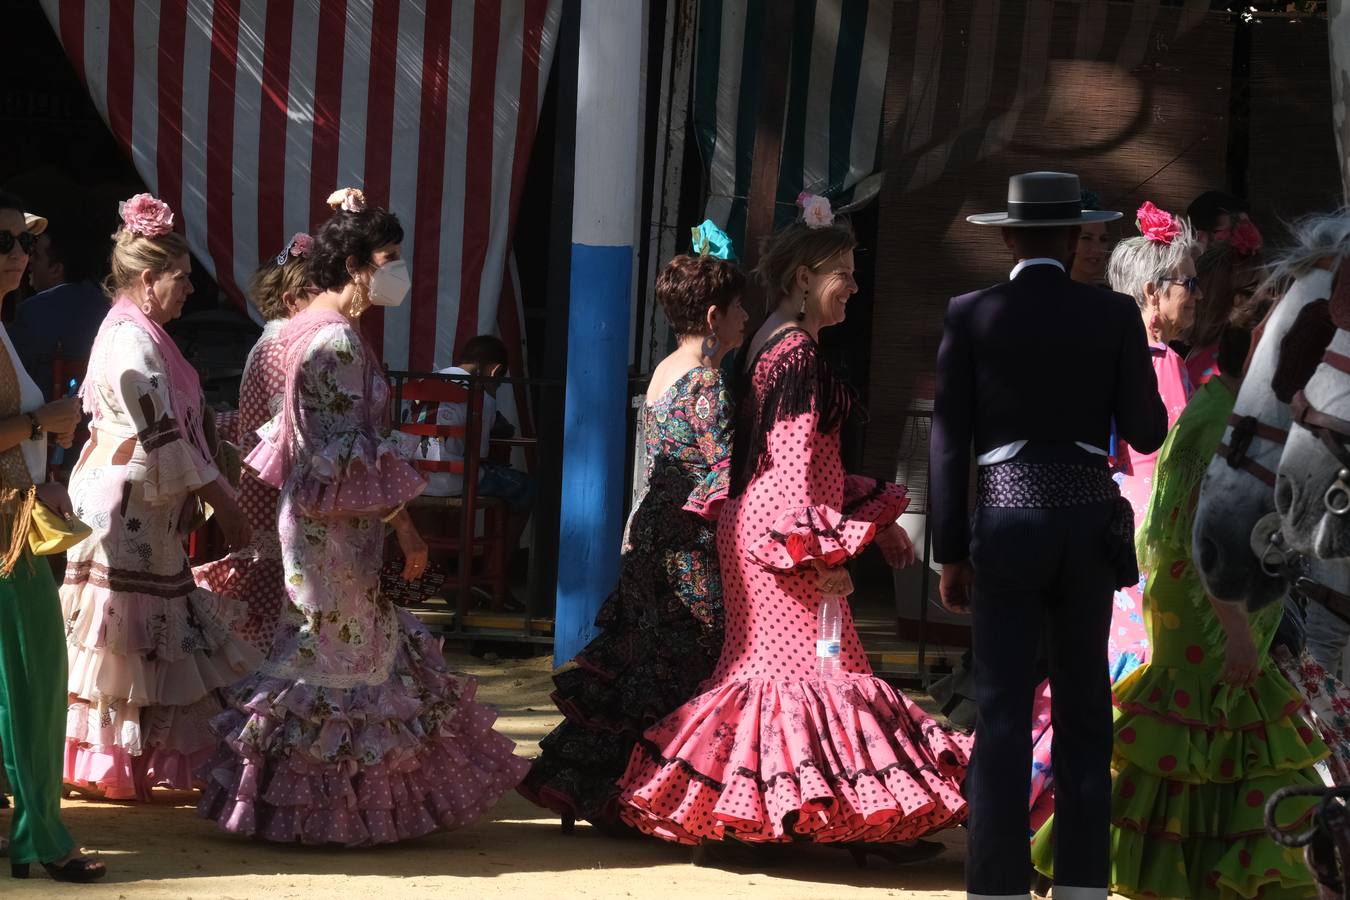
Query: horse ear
x=1340, y=296
x=1301, y=349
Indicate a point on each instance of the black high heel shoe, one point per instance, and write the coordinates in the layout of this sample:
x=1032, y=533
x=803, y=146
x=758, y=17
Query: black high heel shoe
x=895, y=854
x=80, y=870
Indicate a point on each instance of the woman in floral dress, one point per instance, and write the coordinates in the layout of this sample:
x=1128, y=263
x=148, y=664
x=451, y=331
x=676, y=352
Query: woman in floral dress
x=252, y=574
x=772, y=751
x=662, y=626
x=353, y=732
x=147, y=647
x=1208, y=728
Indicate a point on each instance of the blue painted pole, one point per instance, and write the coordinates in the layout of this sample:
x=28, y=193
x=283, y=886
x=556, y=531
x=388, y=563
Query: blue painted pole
x=604, y=229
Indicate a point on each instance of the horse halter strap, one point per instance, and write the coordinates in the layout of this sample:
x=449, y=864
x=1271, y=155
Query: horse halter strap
x=1245, y=429
x=1333, y=432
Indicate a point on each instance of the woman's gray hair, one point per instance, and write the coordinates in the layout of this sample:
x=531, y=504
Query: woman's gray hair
x=1137, y=261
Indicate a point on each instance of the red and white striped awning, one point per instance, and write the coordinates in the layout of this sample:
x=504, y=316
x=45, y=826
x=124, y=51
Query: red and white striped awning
x=244, y=115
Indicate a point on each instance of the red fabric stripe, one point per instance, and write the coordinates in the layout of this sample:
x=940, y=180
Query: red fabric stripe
x=121, y=69
x=430, y=186
x=220, y=147
x=478, y=187
x=72, y=35
x=380, y=130
x=169, y=131
x=276, y=73
x=323, y=157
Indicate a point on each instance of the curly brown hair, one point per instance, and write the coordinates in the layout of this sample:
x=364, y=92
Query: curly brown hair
x=689, y=284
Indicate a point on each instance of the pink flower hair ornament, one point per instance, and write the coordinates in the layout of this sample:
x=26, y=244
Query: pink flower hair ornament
x=146, y=216
x=301, y=246
x=347, y=199
x=816, y=211
x=1157, y=225
x=1245, y=238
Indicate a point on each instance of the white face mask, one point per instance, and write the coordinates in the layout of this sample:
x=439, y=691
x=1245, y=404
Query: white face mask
x=390, y=284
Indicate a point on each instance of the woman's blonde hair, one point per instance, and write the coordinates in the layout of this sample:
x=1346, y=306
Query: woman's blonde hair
x=133, y=254
x=798, y=245
x=269, y=285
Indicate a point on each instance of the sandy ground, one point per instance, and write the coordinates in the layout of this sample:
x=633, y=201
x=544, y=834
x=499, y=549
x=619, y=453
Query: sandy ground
x=162, y=850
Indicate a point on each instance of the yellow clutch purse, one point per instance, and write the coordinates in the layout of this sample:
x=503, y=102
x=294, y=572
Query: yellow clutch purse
x=49, y=534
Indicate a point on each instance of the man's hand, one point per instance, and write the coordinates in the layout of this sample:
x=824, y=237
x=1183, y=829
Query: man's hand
x=957, y=580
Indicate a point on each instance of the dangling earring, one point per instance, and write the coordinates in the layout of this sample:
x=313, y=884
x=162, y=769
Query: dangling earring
x=801, y=313
x=710, y=346
x=147, y=307
x=1153, y=329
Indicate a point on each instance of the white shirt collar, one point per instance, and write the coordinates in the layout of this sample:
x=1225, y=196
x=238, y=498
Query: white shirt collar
x=1038, y=261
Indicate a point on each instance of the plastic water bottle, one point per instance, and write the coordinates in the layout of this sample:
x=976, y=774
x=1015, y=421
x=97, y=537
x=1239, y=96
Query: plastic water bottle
x=828, y=624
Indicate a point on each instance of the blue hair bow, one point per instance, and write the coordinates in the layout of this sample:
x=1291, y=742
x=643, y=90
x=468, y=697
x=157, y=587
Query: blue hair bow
x=709, y=240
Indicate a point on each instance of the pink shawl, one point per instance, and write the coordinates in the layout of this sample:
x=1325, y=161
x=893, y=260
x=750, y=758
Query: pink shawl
x=184, y=387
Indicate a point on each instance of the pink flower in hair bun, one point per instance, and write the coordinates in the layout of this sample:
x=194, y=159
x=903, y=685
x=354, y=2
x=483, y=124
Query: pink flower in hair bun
x=816, y=212
x=347, y=199
x=146, y=216
x=1157, y=225
x=301, y=246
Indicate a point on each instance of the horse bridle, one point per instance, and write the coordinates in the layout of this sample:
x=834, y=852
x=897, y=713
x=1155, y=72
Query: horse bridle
x=1236, y=452
x=1333, y=432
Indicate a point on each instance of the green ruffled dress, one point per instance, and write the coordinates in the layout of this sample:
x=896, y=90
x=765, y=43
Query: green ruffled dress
x=1195, y=759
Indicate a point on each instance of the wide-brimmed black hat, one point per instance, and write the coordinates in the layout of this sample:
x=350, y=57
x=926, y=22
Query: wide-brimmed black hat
x=1044, y=200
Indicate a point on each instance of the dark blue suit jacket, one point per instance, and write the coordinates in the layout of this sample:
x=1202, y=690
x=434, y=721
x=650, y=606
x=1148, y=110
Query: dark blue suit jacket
x=1040, y=358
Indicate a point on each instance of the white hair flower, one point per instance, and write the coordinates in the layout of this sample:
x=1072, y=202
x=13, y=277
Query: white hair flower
x=347, y=199
x=816, y=211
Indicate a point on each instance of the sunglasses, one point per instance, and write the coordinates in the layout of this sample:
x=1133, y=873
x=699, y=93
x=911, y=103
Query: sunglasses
x=25, y=239
x=1189, y=283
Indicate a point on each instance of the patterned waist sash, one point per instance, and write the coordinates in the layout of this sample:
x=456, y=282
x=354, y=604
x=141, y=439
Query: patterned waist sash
x=1018, y=485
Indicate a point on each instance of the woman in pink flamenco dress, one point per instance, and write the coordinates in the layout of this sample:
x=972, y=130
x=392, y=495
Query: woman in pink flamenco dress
x=147, y=648
x=252, y=574
x=353, y=732
x=772, y=751
x=1157, y=269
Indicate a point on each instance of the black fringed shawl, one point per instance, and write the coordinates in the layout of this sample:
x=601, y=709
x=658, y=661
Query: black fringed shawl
x=799, y=381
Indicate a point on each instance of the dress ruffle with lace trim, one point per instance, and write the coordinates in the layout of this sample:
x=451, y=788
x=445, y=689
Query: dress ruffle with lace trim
x=352, y=473
x=364, y=765
x=845, y=759
x=142, y=669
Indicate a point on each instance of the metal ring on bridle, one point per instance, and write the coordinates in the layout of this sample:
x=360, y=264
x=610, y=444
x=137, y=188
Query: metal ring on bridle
x=1337, y=497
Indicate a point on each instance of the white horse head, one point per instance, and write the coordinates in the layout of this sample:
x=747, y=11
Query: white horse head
x=1312, y=492
x=1237, y=493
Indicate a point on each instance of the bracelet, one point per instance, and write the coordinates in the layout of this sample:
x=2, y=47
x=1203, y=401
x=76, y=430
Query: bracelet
x=36, y=432
x=393, y=515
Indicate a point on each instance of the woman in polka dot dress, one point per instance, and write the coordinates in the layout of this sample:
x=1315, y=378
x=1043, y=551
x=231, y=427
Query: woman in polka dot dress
x=252, y=574
x=353, y=732
x=1208, y=728
x=771, y=751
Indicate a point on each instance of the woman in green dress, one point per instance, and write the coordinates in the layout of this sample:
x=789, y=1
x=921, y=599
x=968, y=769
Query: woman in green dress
x=1208, y=728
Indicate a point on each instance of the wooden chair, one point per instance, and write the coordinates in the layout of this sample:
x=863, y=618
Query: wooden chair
x=426, y=394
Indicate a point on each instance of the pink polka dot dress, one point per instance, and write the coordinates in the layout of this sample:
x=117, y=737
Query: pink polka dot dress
x=253, y=574
x=770, y=751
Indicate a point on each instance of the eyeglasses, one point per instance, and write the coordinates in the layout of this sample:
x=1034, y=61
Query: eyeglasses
x=25, y=239
x=1190, y=283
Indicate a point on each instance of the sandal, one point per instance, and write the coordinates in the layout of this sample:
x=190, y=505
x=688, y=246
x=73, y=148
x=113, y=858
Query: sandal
x=80, y=870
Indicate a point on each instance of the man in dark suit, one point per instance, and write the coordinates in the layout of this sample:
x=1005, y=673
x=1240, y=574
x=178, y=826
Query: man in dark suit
x=1031, y=376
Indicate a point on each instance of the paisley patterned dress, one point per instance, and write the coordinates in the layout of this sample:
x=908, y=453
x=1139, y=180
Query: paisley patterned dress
x=661, y=628
x=353, y=732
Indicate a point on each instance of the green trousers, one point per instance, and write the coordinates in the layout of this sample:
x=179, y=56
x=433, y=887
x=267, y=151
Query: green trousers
x=33, y=710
